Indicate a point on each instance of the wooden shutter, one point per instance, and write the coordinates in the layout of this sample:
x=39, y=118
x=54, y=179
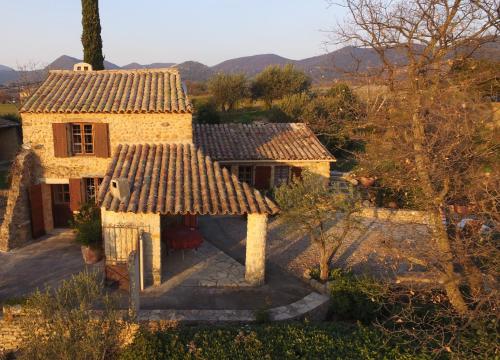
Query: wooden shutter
x=36, y=207
x=76, y=195
x=61, y=141
x=262, y=177
x=101, y=140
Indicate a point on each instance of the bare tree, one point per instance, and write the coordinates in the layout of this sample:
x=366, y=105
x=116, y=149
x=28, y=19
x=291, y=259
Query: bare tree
x=433, y=134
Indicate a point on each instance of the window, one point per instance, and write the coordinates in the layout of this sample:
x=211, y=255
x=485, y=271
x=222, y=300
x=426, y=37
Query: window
x=82, y=137
x=281, y=175
x=61, y=193
x=245, y=174
x=91, y=188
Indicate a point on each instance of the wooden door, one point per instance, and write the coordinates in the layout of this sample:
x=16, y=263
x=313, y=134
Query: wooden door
x=262, y=177
x=61, y=205
x=36, y=206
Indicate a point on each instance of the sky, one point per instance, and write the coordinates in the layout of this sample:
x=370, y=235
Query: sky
x=146, y=31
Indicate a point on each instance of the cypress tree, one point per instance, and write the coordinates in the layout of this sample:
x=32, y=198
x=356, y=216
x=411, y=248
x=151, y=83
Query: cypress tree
x=91, y=35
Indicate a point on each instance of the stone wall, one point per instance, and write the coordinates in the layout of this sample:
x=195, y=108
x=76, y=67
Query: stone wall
x=123, y=128
x=9, y=143
x=150, y=223
x=15, y=229
x=11, y=333
x=396, y=215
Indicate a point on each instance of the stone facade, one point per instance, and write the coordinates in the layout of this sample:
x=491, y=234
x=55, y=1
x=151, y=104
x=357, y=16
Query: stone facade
x=255, y=260
x=321, y=168
x=150, y=224
x=15, y=229
x=123, y=129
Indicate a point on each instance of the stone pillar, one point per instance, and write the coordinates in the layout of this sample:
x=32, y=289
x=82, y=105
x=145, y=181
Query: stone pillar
x=255, y=261
x=135, y=283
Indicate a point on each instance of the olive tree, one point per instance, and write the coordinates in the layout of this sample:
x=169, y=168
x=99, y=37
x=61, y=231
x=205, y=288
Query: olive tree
x=325, y=214
x=275, y=82
x=228, y=89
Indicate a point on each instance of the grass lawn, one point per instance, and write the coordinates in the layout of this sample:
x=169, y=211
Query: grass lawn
x=8, y=109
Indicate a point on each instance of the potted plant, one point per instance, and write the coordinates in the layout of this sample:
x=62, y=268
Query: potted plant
x=87, y=224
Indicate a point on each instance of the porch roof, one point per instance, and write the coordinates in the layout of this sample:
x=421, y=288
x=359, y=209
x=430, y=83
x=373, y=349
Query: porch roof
x=178, y=179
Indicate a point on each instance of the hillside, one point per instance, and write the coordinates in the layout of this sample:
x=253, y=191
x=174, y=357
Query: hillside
x=320, y=68
x=250, y=65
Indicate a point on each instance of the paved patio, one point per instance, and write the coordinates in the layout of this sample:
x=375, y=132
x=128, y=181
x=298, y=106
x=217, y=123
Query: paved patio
x=46, y=262
x=210, y=278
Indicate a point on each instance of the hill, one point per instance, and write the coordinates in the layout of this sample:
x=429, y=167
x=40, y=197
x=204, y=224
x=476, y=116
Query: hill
x=250, y=65
x=320, y=68
x=157, y=65
x=194, y=71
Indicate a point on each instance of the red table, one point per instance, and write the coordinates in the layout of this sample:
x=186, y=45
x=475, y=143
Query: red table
x=182, y=237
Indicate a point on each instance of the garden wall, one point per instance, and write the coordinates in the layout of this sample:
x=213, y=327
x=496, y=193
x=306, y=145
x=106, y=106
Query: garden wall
x=15, y=229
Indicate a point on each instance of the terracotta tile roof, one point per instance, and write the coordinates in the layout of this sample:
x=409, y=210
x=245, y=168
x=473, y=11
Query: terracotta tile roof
x=4, y=123
x=178, y=179
x=110, y=91
x=276, y=141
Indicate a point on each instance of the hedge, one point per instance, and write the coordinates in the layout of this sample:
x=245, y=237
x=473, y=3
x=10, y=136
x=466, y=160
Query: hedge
x=270, y=341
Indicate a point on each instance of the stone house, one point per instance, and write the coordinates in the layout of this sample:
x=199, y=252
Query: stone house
x=91, y=130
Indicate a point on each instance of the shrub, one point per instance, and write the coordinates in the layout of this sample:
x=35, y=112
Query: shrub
x=270, y=341
x=65, y=326
x=353, y=298
x=206, y=113
x=87, y=224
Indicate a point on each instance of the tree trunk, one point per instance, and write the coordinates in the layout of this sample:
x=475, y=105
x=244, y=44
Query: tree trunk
x=451, y=282
x=323, y=264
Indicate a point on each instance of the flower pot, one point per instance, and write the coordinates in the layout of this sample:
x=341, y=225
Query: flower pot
x=366, y=181
x=392, y=205
x=91, y=255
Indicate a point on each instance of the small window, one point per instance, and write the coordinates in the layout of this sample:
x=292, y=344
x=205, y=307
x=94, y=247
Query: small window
x=79, y=68
x=61, y=193
x=281, y=175
x=82, y=138
x=91, y=188
x=245, y=174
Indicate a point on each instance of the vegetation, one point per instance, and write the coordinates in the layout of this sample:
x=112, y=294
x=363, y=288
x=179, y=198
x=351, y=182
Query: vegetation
x=309, y=205
x=87, y=223
x=66, y=327
x=433, y=134
x=6, y=109
x=91, y=35
x=227, y=90
x=273, y=341
x=276, y=82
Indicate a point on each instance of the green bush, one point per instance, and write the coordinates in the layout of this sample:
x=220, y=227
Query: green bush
x=270, y=341
x=353, y=298
x=87, y=224
x=206, y=113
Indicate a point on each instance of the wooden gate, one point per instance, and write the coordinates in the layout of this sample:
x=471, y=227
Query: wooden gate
x=119, y=242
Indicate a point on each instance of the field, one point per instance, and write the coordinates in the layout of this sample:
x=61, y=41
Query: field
x=8, y=109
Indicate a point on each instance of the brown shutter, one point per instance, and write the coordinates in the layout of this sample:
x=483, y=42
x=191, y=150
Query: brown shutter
x=296, y=172
x=262, y=177
x=101, y=140
x=36, y=207
x=76, y=198
x=61, y=144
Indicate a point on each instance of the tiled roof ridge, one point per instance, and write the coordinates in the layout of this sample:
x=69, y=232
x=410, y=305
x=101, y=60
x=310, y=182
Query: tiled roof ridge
x=171, y=70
